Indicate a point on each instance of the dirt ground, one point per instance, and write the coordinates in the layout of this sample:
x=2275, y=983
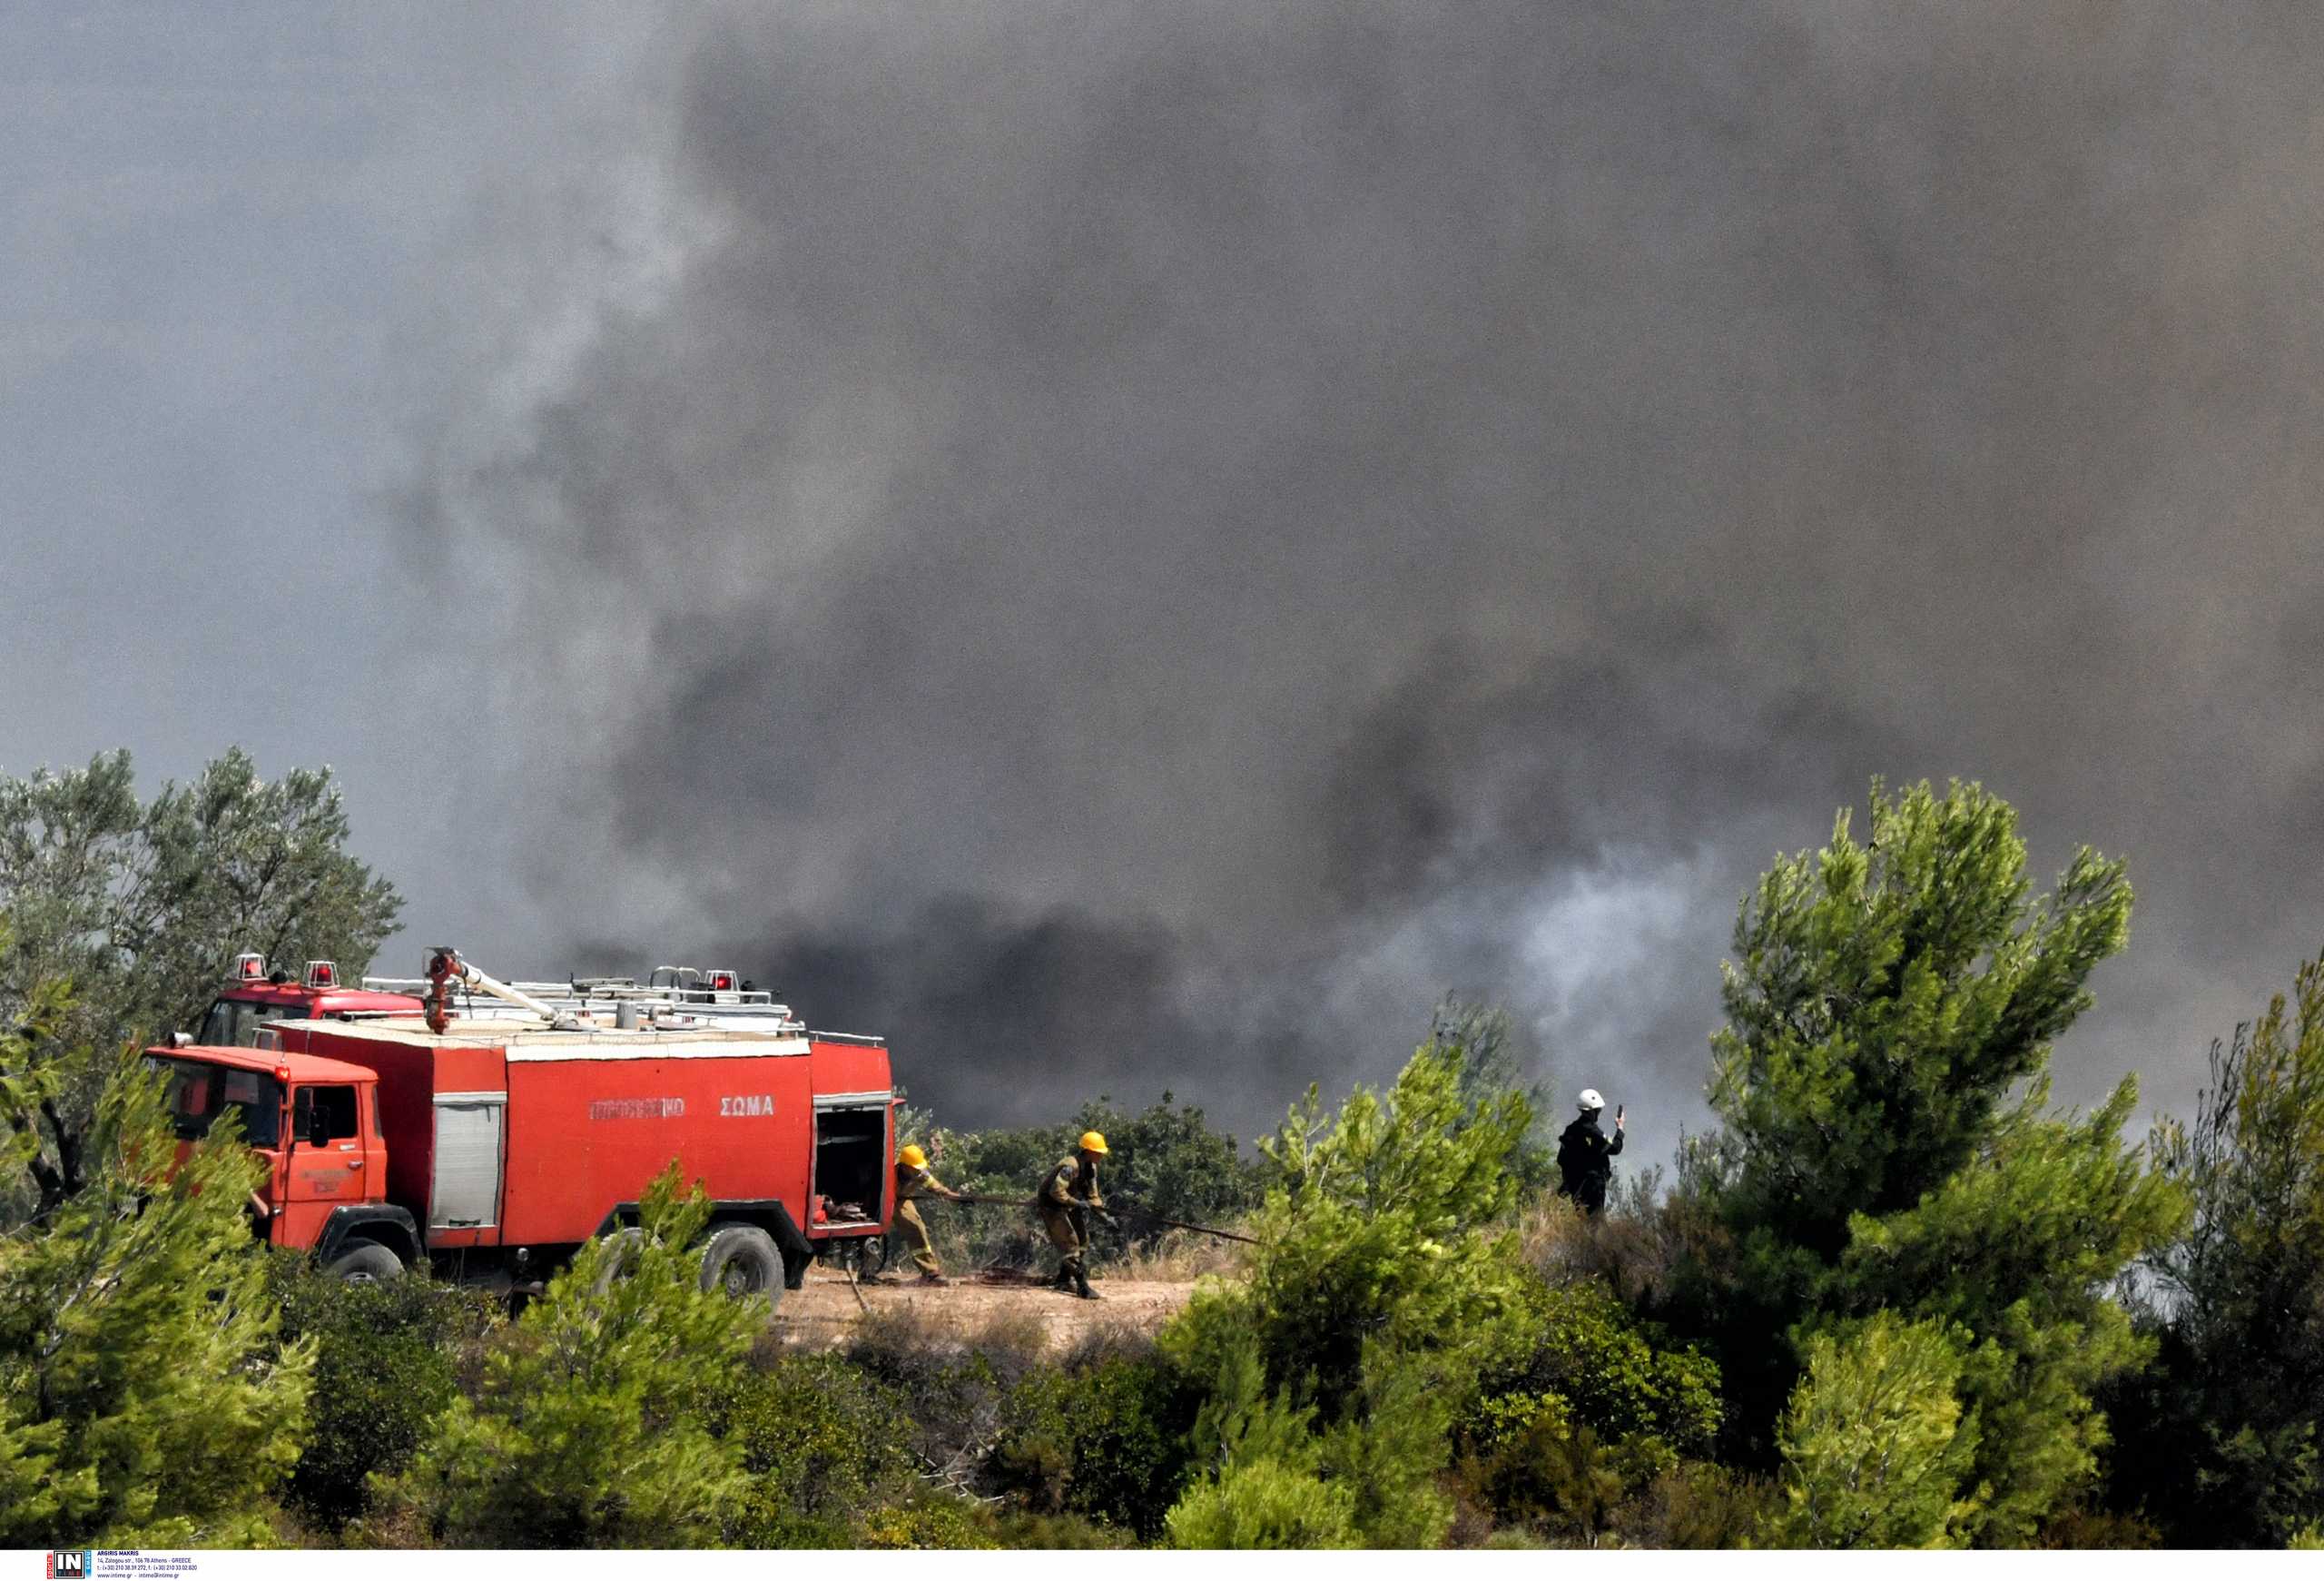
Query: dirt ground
x=822, y=1311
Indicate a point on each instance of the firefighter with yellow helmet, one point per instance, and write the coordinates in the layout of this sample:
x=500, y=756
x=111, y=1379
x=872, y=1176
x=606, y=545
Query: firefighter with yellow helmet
x=1068, y=1196
x=915, y=1180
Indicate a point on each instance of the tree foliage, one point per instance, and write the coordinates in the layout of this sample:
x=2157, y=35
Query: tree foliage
x=140, y=906
x=1107, y=1440
x=143, y=1400
x=1611, y=1374
x=1885, y=1145
x=822, y=1446
x=590, y=1426
x=1380, y=1290
x=1486, y=1040
x=2240, y=1385
x=386, y=1362
x=1874, y=1449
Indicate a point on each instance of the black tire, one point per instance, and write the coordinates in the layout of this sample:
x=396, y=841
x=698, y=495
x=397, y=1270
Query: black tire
x=870, y=1256
x=620, y=1257
x=742, y=1261
x=366, y=1262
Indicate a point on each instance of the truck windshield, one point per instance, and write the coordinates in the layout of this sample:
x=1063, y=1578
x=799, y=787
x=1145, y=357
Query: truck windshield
x=198, y=1093
x=232, y=1024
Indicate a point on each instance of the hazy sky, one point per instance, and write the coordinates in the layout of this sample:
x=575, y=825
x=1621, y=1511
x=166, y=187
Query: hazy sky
x=1134, y=546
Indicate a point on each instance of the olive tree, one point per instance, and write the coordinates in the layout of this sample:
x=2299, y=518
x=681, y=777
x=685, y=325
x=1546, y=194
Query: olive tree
x=140, y=905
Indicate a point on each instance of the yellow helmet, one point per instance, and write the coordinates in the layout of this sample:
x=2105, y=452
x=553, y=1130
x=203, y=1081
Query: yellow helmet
x=1093, y=1141
x=913, y=1156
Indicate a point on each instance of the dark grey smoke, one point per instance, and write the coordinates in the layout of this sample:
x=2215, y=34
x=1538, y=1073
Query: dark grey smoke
x=1134, y=546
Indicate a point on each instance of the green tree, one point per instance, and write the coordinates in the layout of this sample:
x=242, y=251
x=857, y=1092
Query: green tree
x=590, y=1428
x=2239, y=1387
x=140, y=906
x=1874, y=1449
x=1885, y=1144
x=142, y=1399
x=1266, y=1486
x=1381, y=1288
x=1492, y=1064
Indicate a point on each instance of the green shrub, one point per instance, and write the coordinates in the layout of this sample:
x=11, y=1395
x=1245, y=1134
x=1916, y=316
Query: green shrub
x=822, y=1443
x=1618, y=1377
x=589, y=1426
x=1381, y=1289
x=951, y=1390
x=929, y=1520
x=1264, y=1504
x=1022, y=1528
x=384, y=1366
x=1697, y=1505
x=1108, y=1441
x=1530, y=1464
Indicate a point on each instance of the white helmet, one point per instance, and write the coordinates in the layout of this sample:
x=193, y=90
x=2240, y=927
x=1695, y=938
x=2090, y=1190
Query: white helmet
x=1591, y=1102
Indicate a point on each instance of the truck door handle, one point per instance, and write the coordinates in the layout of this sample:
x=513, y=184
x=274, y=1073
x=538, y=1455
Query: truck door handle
x=354, y=1163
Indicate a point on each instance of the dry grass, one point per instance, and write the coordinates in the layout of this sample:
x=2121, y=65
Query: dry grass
x=1633, y=1246
x=1182, y=1256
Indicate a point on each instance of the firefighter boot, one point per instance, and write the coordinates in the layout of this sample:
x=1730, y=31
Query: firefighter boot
x=1081, y=1286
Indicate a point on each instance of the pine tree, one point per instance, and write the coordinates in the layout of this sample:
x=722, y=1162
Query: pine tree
x=1885, y=1141
x=142, y=1399
x=2239, y=1390
x=1873, y=1446
x=1378, y=1292
x=590, y=1428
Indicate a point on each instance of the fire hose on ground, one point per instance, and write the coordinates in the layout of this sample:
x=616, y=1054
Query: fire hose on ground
x=1146, y=1213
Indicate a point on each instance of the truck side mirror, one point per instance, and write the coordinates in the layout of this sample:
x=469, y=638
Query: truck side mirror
x=318, y=1127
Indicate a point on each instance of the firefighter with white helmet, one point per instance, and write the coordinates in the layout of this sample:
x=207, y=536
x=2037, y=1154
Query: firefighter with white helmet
x=1585, y=1156
x=914, y=1178
x=1068, y=1196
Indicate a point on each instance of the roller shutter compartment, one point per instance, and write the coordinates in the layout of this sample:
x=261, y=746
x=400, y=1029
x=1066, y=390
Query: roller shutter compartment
x=466, y=1192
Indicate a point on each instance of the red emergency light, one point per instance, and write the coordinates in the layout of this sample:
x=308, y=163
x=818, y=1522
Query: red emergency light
x=721, y=981
x=322, y=975
x=250, y=966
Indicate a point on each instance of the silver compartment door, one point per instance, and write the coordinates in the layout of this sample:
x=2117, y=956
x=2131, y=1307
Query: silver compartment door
x=467, y=1189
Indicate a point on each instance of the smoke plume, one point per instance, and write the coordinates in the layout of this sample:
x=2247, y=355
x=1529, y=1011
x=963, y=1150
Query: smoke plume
x=1133, y=546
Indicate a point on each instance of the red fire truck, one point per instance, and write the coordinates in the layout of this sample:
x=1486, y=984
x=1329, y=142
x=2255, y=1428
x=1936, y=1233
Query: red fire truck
x=253, y=997
x=495, y=1147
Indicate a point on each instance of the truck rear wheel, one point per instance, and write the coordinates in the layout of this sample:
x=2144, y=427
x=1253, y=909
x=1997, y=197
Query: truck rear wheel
x=741, y=1259
x=366, y=1262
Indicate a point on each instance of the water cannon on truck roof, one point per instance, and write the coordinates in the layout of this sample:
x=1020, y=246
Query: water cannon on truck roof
x=252, y=995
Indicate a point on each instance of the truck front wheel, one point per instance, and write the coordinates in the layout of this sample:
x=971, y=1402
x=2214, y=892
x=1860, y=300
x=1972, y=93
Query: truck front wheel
x=741, y=1259
x=366, y=1262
